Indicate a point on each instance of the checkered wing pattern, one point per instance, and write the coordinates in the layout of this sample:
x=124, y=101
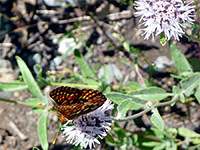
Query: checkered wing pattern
x=72, y=102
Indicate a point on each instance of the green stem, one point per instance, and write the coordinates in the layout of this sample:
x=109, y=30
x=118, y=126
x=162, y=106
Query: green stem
x=148, y=109
x=88, y=86
x=192, y=38
x=20, y=103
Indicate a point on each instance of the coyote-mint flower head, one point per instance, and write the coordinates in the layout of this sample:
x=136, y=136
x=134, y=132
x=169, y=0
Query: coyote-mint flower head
x=164, y=16
x=90, y=126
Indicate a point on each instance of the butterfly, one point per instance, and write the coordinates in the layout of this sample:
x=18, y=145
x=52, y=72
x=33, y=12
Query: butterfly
x=72, y=102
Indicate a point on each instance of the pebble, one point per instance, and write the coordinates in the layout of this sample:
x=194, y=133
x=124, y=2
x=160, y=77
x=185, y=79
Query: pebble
x=111, y=71
x=67, y=45
x=55, y=62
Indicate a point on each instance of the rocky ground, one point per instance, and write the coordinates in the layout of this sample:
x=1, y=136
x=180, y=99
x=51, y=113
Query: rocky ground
x=32, y=29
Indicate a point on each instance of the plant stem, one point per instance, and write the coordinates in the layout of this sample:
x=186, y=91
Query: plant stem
x=20, y=103
x=148, y=109
x=88, y=86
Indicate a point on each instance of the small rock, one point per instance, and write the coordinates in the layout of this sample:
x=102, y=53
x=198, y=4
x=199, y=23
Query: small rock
x=37, y=58
x=67, y=46
x=34, y=59
x=4, y=63
x=56, y=62
x=55, y=3
x=161, y=64
x=110, y=71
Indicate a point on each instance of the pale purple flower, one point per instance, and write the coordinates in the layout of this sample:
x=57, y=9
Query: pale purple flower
x=164, y=16
x=88, y=127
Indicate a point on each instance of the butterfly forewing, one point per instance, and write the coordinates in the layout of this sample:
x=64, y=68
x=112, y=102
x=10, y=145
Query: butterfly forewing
x=65, y=95
x=73, y=102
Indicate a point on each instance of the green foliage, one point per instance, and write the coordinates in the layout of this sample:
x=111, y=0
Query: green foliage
x=14, y=86
x=85, y=68
x=35, y=101
x=157, y=120
x=163, y=40
x=28, y=79
x=181, y=63
x=42, y=131
x=190, y=83
x=150, y=94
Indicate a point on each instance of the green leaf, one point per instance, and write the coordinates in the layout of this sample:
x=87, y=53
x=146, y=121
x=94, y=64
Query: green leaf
x=38, y=70
x=35, y=101
x=163, y=40
x=197, y=94
x=185, y=132
x=190, y=83
x=124, y=107
x=12, y=86
x=126, y=45
x=180, y=61
x=150, y=94
x=157, y=120
x=150, y=144
x=90, y=81
x=85, y=68
x=109, y=138
x=182, y=97
x=42, y=132
x=134, y=85
x=28, y=79
x=118, y=98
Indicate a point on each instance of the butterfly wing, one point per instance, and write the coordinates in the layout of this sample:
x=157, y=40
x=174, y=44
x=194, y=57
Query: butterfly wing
x=68, y=95
x=73, y=111
x=65, y=95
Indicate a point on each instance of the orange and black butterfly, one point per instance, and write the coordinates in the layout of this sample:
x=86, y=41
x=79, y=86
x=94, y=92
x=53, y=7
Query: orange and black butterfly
x=72, y=102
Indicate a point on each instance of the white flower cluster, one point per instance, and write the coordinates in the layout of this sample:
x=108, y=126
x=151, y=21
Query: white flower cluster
x=164, y=16
x=90, y=126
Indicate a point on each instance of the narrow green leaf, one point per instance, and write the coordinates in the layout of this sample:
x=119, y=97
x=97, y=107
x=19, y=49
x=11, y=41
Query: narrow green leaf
x=185, y=132
x=126, y=45
x=109, y=138
x=12, y=86
x=197, y=94
x=150, y=94
x=124, y=107
x=182, y=97
x=190, y=83
x=118, y=98
x=35, y=101
x=161, y=146
x=85, y=68
x=28, y=79
x=38, y=70
x=157, y=120
x=150, y=144
x=179, y=59
x=90, y=81
x=42, y=132
x=134, y=85
x=163, y=40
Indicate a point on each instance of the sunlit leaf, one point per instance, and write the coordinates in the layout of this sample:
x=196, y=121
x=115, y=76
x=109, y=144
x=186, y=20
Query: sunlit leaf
x=157, y=120
x=150, y=94
x=42, y=132
x=28, y=79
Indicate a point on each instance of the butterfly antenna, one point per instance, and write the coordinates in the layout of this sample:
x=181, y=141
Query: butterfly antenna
x=48, y=109
x=54, y=141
